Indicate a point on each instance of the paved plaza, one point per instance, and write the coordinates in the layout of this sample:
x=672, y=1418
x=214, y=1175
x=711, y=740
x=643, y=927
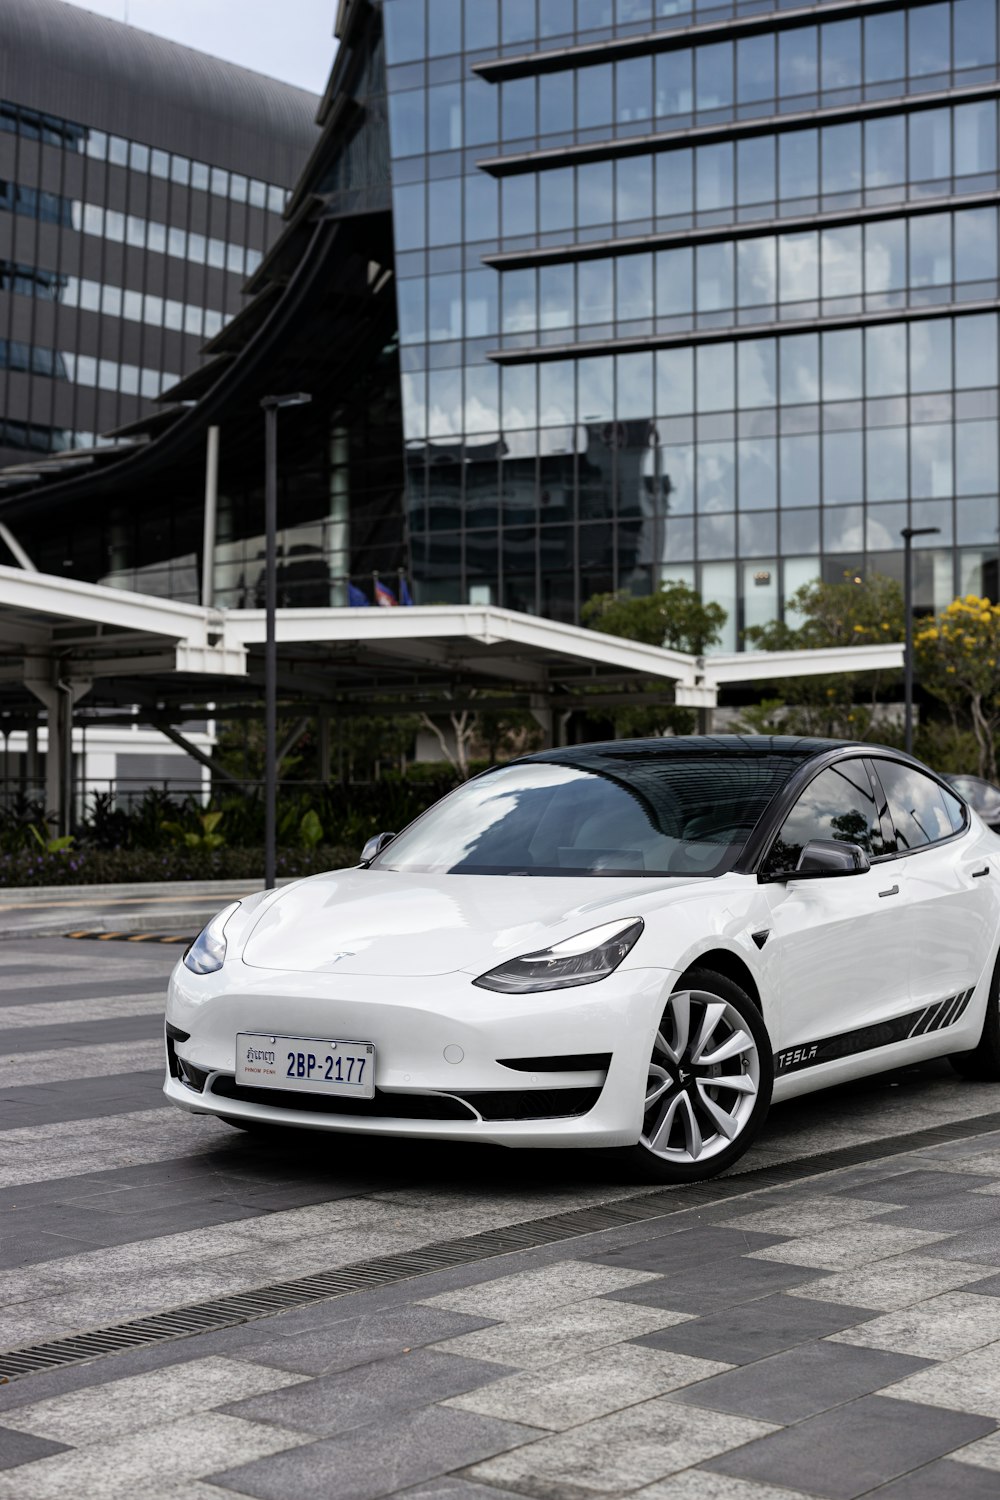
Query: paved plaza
x=825, y=1322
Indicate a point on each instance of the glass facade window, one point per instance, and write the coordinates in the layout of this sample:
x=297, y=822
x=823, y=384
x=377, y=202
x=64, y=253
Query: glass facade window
x=744, y=359
x=33, y=125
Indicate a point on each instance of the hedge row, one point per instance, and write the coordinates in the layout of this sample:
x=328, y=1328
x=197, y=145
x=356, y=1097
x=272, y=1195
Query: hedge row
x=127, y=866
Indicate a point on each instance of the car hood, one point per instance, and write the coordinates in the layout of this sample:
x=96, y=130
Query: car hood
x=383, y=922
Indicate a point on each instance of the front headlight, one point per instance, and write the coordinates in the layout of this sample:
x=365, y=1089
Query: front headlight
x=579, y=960
x=208, y=951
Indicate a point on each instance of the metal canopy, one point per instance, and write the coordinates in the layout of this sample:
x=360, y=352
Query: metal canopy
x=62, y=640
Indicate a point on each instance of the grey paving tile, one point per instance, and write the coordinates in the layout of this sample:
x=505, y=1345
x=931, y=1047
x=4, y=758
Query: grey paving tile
x=123, y=1028
x=700, y=1484
x=800, y=1382
x=944, y=1480
x=80, y=1099
x=719, y=1284
x=678, y=1249
x=361, y=1340
x=375, y=1461
x=912, y=1188
x=333, y=1404
x=589, y=1386
x=57, y=984
x=752, y=1330
x=980, y=1246
x=938, y=1328
x=950, y=1213
x=24, y=1448
x=619, y=1453
x=844, y=1453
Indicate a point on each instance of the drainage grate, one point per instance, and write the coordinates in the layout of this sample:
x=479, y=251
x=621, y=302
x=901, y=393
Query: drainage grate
x=244, y=1307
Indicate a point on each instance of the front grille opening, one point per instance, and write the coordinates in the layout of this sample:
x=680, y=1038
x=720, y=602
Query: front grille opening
x=383, y=1107
x=570, y=1062
x=533, y=1104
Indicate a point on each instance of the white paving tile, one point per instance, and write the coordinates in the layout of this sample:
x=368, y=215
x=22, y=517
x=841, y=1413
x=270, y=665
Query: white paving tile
x=135, y=1463
x=146, y=1002
x=808, y=1216
x=587, y=1387
x=620, y=1453
x=897, y=1282
x=969, y=1382
x=849, y=1246
x=546, y=1338
x=100, y=1412
x=938, y=1328
x=524, y=1292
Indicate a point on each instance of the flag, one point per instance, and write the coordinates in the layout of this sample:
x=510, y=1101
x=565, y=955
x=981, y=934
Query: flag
x=357, y=597
x=405, y=597
x=384, y=597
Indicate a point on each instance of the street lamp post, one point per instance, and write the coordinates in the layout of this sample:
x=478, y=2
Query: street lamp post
x=908, y=533
x=272, y=405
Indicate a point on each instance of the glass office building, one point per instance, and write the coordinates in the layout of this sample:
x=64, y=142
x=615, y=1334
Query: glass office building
x=703, y=292
x=140, y=185
x=591, y=294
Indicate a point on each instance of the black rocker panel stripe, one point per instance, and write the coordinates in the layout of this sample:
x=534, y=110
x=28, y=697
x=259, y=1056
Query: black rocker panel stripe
x=866, y=1038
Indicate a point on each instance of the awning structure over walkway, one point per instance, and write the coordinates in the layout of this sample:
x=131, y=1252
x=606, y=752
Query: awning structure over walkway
x=63, y=640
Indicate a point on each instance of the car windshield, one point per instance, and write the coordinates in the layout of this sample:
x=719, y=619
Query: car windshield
x=648, y=815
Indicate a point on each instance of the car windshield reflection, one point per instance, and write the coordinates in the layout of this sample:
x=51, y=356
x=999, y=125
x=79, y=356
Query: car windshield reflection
x=618, y=816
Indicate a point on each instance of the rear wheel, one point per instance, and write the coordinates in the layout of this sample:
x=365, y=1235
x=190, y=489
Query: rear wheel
x=983, y=1062
x=709, y=1082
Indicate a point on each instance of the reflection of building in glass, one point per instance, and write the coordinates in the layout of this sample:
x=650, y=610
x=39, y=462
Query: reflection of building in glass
x=140, y=184
x=752, y=254
x=596, y=293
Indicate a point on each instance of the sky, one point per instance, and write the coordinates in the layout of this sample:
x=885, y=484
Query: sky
x=292, y=40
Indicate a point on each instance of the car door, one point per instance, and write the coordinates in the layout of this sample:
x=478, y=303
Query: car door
x=951, y=893
x=839, y=941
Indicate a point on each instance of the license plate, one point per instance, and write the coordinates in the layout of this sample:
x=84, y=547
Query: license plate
x=306, y=1064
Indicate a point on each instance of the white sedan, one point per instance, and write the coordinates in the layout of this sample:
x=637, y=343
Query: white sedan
x=637, y=944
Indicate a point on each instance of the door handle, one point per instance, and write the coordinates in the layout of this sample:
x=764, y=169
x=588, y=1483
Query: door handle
x=984, y=871
x=892, y=891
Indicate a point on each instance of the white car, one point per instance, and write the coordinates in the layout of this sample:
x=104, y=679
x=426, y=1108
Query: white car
x=637, y=944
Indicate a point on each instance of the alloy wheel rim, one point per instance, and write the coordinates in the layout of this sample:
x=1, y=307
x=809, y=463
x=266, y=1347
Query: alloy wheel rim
x=704, y=1079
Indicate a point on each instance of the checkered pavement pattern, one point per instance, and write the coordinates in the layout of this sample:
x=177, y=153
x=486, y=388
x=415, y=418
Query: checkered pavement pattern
x=835, y=1336
x=838, y=1337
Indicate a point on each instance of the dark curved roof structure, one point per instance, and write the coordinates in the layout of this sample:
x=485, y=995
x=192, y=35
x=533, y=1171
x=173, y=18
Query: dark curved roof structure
x=131, y=80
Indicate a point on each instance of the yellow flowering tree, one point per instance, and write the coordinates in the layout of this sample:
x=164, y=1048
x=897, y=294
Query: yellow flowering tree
x=957, y=656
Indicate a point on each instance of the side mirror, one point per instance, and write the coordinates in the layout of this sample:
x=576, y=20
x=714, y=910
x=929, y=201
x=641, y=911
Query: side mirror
x=823, y=857
x=831, y=857
x=374, y=846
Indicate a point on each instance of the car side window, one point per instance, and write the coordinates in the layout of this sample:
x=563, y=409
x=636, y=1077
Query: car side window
x=922, y=811
x=837, y=804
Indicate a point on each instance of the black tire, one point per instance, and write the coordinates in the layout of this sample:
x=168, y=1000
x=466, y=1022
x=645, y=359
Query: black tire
x=982, y=1063
x=651, y=1167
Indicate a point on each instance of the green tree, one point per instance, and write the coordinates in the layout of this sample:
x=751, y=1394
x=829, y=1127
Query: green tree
x=675, y=617
x=957, y=656
x=855, y=612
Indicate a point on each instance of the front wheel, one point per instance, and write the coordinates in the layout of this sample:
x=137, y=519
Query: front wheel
x=709, y=1082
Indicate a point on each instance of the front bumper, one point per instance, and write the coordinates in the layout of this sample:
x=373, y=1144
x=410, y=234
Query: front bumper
x=412, y=1022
